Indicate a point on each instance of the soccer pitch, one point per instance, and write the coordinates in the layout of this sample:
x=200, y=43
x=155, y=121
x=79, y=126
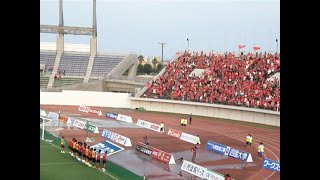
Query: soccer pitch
x=57, y=166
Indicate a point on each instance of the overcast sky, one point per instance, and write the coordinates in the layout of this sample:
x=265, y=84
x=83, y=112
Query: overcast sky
x=138, y=25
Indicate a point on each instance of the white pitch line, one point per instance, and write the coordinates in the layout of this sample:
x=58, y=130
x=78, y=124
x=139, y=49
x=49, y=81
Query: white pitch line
x=45, y=146
x=99, y=170
x=45, y=164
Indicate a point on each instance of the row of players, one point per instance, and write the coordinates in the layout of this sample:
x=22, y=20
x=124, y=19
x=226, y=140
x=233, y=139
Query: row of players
x=85, y=153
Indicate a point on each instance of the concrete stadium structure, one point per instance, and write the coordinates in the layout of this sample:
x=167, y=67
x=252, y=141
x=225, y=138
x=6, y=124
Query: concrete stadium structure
x=83, y=67
x=87, y=70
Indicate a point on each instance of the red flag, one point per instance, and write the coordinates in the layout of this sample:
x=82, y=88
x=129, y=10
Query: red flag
x=256, y=48
x=148, y=85
x=241, y=46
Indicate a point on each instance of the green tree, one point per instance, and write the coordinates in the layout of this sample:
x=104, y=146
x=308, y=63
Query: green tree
x=141, y=59
x=154, y=62
x=159, y=67
x=147, y=68
x=140, y=69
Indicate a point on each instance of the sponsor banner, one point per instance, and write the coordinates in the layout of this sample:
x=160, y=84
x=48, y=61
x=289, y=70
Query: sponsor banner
x=156, y=153
x=244, y=156
x=148, y=125
x=43, y=112
x=116, y=137
x=174, y=133
x=112, y=115
x=92, y=128
x=107, y=146
x=212, y=175
x=229, y=151
x=200, y=171
x=53, y=115
x=124, y=118
x=144, y=149
x=90, y=110
x=219, y=148
x=79, y=124
x=119, y=117
x=271, y=165
x=189, y=138
x=64, y=118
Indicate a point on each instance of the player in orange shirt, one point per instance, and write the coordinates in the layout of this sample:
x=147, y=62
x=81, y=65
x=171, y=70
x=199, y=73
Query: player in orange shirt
x=76, y=149
x=93, y=158
x=87, y=154
x=83, y=151
x=98, y=160
x=70, y=146
x=104, y=161
x=74, y=144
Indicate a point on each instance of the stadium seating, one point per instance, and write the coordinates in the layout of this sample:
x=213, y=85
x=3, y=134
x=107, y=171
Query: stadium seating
x=44, y=81
x=66, y=81
x=229, y=80
x=74, y=64
x=47, y=58
x=103, y=64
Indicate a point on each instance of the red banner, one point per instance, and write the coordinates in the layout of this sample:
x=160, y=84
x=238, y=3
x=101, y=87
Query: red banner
x=157, y=153
x=90, y=110
x=174, y=133
x=161, y=155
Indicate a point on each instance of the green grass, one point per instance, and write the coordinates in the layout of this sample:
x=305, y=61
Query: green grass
x=57, y=166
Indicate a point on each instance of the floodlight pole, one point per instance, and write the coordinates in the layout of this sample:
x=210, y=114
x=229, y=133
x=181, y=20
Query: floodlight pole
x=162, y=44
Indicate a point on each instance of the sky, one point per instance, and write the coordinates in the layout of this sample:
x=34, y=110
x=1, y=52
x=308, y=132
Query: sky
x=137, y=26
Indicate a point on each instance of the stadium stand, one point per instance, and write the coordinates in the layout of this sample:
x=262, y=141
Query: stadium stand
x=73, y=67
x=227, y=79
x=47, y=58
x=103, y=64
x=66, y=81
x=74, y=64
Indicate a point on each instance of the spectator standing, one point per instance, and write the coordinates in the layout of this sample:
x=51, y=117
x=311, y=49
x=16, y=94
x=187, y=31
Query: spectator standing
x=185, y=121
x=161, y=127
x=249, y=140
x=260, y=151
x=198, y=141
x=194, y=154
x=146, y=140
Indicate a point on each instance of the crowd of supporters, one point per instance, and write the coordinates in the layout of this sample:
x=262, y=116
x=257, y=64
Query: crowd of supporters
x=228, y=79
